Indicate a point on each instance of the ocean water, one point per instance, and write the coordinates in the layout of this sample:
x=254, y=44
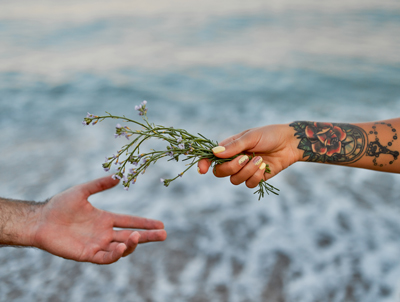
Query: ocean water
x=333, y=233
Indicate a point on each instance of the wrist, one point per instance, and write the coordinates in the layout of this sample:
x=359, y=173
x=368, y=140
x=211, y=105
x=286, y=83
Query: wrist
x=35, y=222
x=293, y=142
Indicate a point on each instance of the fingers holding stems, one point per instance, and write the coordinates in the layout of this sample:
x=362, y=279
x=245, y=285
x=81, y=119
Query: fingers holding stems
x=255, y=179
x=203, y=166
x=249, y=171
x=231, y=167
x=243, y=168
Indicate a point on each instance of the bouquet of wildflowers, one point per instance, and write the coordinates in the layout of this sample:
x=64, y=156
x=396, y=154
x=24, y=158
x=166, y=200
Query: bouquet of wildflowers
x=180, y=143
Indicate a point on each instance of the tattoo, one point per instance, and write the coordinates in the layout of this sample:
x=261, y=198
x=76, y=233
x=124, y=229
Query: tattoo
x=377, y=148
x=345, y=143
x=331, y=143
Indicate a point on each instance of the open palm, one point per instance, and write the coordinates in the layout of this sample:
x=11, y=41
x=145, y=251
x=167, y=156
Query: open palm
x=71, y=227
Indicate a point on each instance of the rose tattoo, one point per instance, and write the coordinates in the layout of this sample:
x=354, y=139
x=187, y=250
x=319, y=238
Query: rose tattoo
x=325, y=138
x=332, y=143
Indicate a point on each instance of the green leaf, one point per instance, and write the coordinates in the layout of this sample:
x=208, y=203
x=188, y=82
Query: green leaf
x=304, y=144
x=307, y=153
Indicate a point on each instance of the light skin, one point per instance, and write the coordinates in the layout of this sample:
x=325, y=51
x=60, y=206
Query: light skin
x=372, y=145
x=69, y=226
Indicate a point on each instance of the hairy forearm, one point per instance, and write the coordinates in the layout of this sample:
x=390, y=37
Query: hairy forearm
x=373, y=145
x=18, y=222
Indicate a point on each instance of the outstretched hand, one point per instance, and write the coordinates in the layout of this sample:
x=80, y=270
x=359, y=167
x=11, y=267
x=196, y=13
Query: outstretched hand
x=273, y=145
x=72, y=228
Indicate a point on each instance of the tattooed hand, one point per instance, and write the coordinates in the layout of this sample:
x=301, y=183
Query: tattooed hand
x=371, y=145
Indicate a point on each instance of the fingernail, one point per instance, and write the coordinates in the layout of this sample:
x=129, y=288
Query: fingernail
x=218, y=149
x=198, y=170
x=262, y=167
x=243, y=160
x=257, y=160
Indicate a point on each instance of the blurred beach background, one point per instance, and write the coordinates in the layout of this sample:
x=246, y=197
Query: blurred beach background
x=214, y=67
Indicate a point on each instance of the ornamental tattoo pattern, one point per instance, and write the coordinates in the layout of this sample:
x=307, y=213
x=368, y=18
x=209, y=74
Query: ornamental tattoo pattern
x=377, y=147
x=331, y=143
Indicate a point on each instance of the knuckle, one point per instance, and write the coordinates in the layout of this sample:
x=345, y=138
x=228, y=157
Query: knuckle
x=230, y=169
x=236, y=144
x=217, y=171
x=223, y=170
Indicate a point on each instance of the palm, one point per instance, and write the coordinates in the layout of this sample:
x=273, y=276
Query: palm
x=89, y=233
x=72, y=228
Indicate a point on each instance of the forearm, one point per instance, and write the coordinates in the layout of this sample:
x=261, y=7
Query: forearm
x=373, y=145
x=18, y=222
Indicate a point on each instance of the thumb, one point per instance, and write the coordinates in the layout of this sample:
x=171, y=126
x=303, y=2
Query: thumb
x=99, y=185
x=237, y=145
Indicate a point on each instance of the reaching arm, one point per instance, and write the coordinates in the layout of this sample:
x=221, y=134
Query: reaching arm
x=70, y=227
x=18, y=221
x=373, y=145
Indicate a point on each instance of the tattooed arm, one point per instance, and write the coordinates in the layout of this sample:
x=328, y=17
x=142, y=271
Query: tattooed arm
x=367, y=145
x=373, y=145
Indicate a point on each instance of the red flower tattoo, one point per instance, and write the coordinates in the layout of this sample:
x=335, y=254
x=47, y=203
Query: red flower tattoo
x=325, y=138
